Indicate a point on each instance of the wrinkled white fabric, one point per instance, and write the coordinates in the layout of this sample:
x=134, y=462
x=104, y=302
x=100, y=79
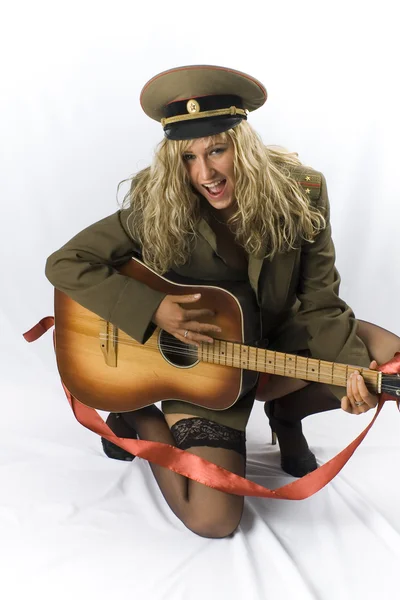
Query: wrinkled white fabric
x=73, y=523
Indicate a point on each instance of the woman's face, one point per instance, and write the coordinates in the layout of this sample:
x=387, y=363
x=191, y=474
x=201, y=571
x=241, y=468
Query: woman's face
x=209, y=164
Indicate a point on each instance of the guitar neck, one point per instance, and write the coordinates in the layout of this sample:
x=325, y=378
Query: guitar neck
x=251, y=358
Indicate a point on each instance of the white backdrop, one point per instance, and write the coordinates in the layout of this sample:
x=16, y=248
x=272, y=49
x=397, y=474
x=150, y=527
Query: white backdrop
x=71, y=129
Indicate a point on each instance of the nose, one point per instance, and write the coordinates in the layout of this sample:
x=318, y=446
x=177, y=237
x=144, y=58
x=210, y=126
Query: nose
x=206, y=170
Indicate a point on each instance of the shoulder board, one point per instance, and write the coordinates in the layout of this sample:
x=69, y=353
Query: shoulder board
x=309, y=180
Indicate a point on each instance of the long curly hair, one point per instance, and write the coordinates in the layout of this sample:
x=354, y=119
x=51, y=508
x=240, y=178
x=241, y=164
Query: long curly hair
x=273, y=213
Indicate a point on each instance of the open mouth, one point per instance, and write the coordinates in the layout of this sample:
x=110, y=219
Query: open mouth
x=216, y=189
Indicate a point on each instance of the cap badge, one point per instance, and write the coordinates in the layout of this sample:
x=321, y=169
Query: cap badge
x=193, y=106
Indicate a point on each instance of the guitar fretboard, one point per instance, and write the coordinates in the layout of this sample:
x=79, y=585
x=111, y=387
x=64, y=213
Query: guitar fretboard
x=232, y=354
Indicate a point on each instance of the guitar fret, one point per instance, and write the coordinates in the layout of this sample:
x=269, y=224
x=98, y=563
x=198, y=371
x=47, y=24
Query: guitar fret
x=325, y=372
x=270, y=361
x=229, y=353
x=261, y=360
x=301, y=367
x=243, y=357
x=236, y=355
x=291, y=369
x=211, y=353
x=312, y=369
x=339, y=374
x=267, y=359
x=223, y=350
x=252, y=357
x=216, y=352
x=279, y=363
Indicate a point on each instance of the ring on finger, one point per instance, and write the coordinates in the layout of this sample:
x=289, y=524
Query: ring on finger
x=359, y=403
x=186, y=333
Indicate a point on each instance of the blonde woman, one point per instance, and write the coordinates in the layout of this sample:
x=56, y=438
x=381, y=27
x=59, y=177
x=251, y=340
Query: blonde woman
x=218, y=206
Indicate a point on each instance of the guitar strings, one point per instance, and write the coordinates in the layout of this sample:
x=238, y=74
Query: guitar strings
x=193, y=351
x=177, y=349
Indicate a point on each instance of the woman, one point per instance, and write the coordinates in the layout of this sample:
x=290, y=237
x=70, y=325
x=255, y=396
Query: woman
x=219, y=206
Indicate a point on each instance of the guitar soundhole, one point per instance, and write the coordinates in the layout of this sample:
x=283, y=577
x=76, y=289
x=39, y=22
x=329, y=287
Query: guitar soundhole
x=175, y=352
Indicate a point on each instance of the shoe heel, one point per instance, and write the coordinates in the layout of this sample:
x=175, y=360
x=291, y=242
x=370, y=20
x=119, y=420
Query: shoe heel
x=274, y=437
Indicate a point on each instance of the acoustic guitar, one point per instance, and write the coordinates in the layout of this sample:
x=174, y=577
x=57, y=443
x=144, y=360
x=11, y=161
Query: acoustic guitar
x=106, y=369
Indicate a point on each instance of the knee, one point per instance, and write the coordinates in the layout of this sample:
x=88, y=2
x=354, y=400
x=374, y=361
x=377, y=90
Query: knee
x=209, y=526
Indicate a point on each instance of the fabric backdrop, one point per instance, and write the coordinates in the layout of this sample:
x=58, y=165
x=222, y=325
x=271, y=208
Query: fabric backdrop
x=72, y=522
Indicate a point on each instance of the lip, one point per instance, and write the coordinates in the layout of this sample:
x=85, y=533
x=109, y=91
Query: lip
x=216, y=196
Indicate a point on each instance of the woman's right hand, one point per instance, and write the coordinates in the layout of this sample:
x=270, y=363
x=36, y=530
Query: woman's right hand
x=177, y=321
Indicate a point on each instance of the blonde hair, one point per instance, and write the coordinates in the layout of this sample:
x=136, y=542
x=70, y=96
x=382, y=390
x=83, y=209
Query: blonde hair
x=273, y=213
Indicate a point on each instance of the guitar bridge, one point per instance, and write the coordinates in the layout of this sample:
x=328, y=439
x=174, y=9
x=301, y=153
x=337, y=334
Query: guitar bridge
x=108, y=342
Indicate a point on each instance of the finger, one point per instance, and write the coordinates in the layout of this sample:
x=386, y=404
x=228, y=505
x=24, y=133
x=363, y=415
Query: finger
x=186, y=340
x=191, y=314
x=370, y=399
x=193, y=337
x=361, y=393
x=197, y=327
x=349, y=396
x=185, y=298
x=373, y=365
x=354, y=395
x=346, y=405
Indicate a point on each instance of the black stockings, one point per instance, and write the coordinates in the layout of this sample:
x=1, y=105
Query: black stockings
x=205, y=511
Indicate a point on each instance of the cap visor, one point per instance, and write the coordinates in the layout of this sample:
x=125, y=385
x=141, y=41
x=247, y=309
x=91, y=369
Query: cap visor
x=199, y=128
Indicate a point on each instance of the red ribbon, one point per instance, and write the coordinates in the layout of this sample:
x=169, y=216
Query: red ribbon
x=208, y=473
x=39, y=329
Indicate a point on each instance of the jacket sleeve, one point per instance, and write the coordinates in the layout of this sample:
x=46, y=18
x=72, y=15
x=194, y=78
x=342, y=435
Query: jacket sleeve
x=329, y=321
x=85, y=269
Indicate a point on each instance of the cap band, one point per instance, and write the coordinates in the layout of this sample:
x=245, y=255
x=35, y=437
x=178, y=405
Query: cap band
x=231, y=111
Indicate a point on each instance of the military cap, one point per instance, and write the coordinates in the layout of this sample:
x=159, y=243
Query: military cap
x=200, y=100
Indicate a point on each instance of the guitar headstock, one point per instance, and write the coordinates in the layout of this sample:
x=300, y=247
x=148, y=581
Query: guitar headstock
x=391, y=385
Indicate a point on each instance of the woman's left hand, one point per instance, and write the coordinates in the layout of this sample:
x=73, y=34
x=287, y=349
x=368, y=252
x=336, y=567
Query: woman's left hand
x=358, y=399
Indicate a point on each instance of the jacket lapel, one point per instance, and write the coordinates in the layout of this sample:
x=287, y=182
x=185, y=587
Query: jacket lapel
x=254, y=270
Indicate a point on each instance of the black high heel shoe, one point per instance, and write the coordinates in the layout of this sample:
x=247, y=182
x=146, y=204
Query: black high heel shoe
x=296, y=457
x=118, y=426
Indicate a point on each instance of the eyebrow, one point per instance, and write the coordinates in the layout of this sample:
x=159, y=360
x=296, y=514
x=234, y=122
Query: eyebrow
x=221, y=143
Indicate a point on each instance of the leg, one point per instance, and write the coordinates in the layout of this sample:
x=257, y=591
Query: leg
x=203, y=510
x=381, y=343
x=294, y=400
x=118, y=426
x=285, y=414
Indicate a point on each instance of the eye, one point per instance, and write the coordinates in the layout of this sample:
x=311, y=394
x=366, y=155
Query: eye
x=186, y=157
x=219, y=150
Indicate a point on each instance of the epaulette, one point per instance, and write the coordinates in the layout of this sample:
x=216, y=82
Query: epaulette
x=310, y=181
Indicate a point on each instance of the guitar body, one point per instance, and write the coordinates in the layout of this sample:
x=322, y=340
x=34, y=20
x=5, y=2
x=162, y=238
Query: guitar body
x=106, y=369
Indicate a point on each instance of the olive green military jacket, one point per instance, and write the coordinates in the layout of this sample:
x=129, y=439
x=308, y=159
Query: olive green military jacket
x=298, y=291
